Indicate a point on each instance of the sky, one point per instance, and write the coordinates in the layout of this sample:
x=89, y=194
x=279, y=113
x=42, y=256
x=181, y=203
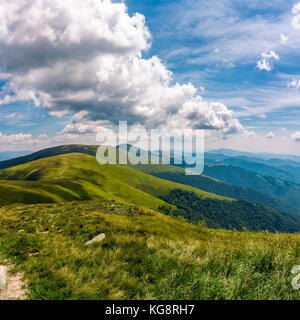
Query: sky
x=71, y=68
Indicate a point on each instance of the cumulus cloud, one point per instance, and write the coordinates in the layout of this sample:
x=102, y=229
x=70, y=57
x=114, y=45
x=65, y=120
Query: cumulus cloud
x=16, y=138
x=296, y=136
x=266, y=63
x=80, y=124
x=86, y=57
x=270, y=135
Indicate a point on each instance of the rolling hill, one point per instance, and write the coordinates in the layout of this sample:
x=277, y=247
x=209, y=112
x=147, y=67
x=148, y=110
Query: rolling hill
x=284, y=190
x=92, y=180
x=78, y=176
x=145, y=254
x=280, y=169
x=219, y=187
x=49, y=152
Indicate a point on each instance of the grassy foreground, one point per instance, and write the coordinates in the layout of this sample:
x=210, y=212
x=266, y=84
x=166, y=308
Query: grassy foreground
x=145, y=255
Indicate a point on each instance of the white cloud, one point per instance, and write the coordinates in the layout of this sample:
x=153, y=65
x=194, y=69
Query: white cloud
x=262, y=116
x=16, y=138
x=296, y=18
x=295, y=84
x=266, y=63
x=86, y=56
x=80, y=124
x=225, y=25
x=283, y=39
x=4, y=76
x=296, y=136
x=10, y=116
x=270, y=135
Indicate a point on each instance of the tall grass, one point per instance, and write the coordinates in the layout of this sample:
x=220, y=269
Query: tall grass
x=145, y=255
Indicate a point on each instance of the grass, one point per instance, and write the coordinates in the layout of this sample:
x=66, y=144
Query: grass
x=79, y=177
x=145, y=255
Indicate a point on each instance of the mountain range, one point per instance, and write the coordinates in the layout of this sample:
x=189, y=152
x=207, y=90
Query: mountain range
x=68, y=173
x=229, y=233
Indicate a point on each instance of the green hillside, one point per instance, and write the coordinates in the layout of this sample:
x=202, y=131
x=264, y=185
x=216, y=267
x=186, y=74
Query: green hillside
x=49, y=152
x=288, y=173
x=217, y=186
x=80, y=177
x=236, y=215
x=284, y=190
x=145, y=255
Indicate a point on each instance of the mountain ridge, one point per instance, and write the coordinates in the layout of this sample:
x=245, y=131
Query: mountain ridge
x=78, y=176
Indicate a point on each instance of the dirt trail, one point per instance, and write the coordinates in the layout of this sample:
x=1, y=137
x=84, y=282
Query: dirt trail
x=14, y=287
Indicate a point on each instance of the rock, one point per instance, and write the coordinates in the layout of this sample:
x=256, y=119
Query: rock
x=2, y=277
x=99, y=238
x=33, y=254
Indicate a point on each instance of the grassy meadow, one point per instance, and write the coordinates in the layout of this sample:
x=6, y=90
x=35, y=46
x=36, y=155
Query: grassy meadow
x=145, y=255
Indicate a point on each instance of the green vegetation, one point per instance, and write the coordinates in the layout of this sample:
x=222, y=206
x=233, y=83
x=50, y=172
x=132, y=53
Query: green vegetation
x=70, y=177
x=145, y=255
x=284, y=190
x=229, y=215
x=221, y=188
x=79, y=177
x=68, y=199
x=265, y=168
x=50, y=152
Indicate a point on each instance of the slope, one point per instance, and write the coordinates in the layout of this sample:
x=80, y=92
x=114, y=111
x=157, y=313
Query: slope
x=49, y=152
x=286, y=172
x=216, y=186
x=80, y=177
x=145, y=255
x=286, y=191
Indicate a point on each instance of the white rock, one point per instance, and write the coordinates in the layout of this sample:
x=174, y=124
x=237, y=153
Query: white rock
x=99, y=238
x=2, y=277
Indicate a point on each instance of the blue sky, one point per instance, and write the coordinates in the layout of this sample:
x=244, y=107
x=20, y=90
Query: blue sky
x=188, y=36
x=244, y=55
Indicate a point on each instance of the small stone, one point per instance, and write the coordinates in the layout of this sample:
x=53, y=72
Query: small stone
x=33, y=254
x=2, y=277
x=99, y=238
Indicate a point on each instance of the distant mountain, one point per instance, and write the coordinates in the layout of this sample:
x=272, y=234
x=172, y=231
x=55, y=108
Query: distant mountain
x=272, y=167
x=261, y=155
x=219, y=187
x=284, y=190
x=6, y=155
x=272, y=162
x=49, y=152
x=225, y=215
